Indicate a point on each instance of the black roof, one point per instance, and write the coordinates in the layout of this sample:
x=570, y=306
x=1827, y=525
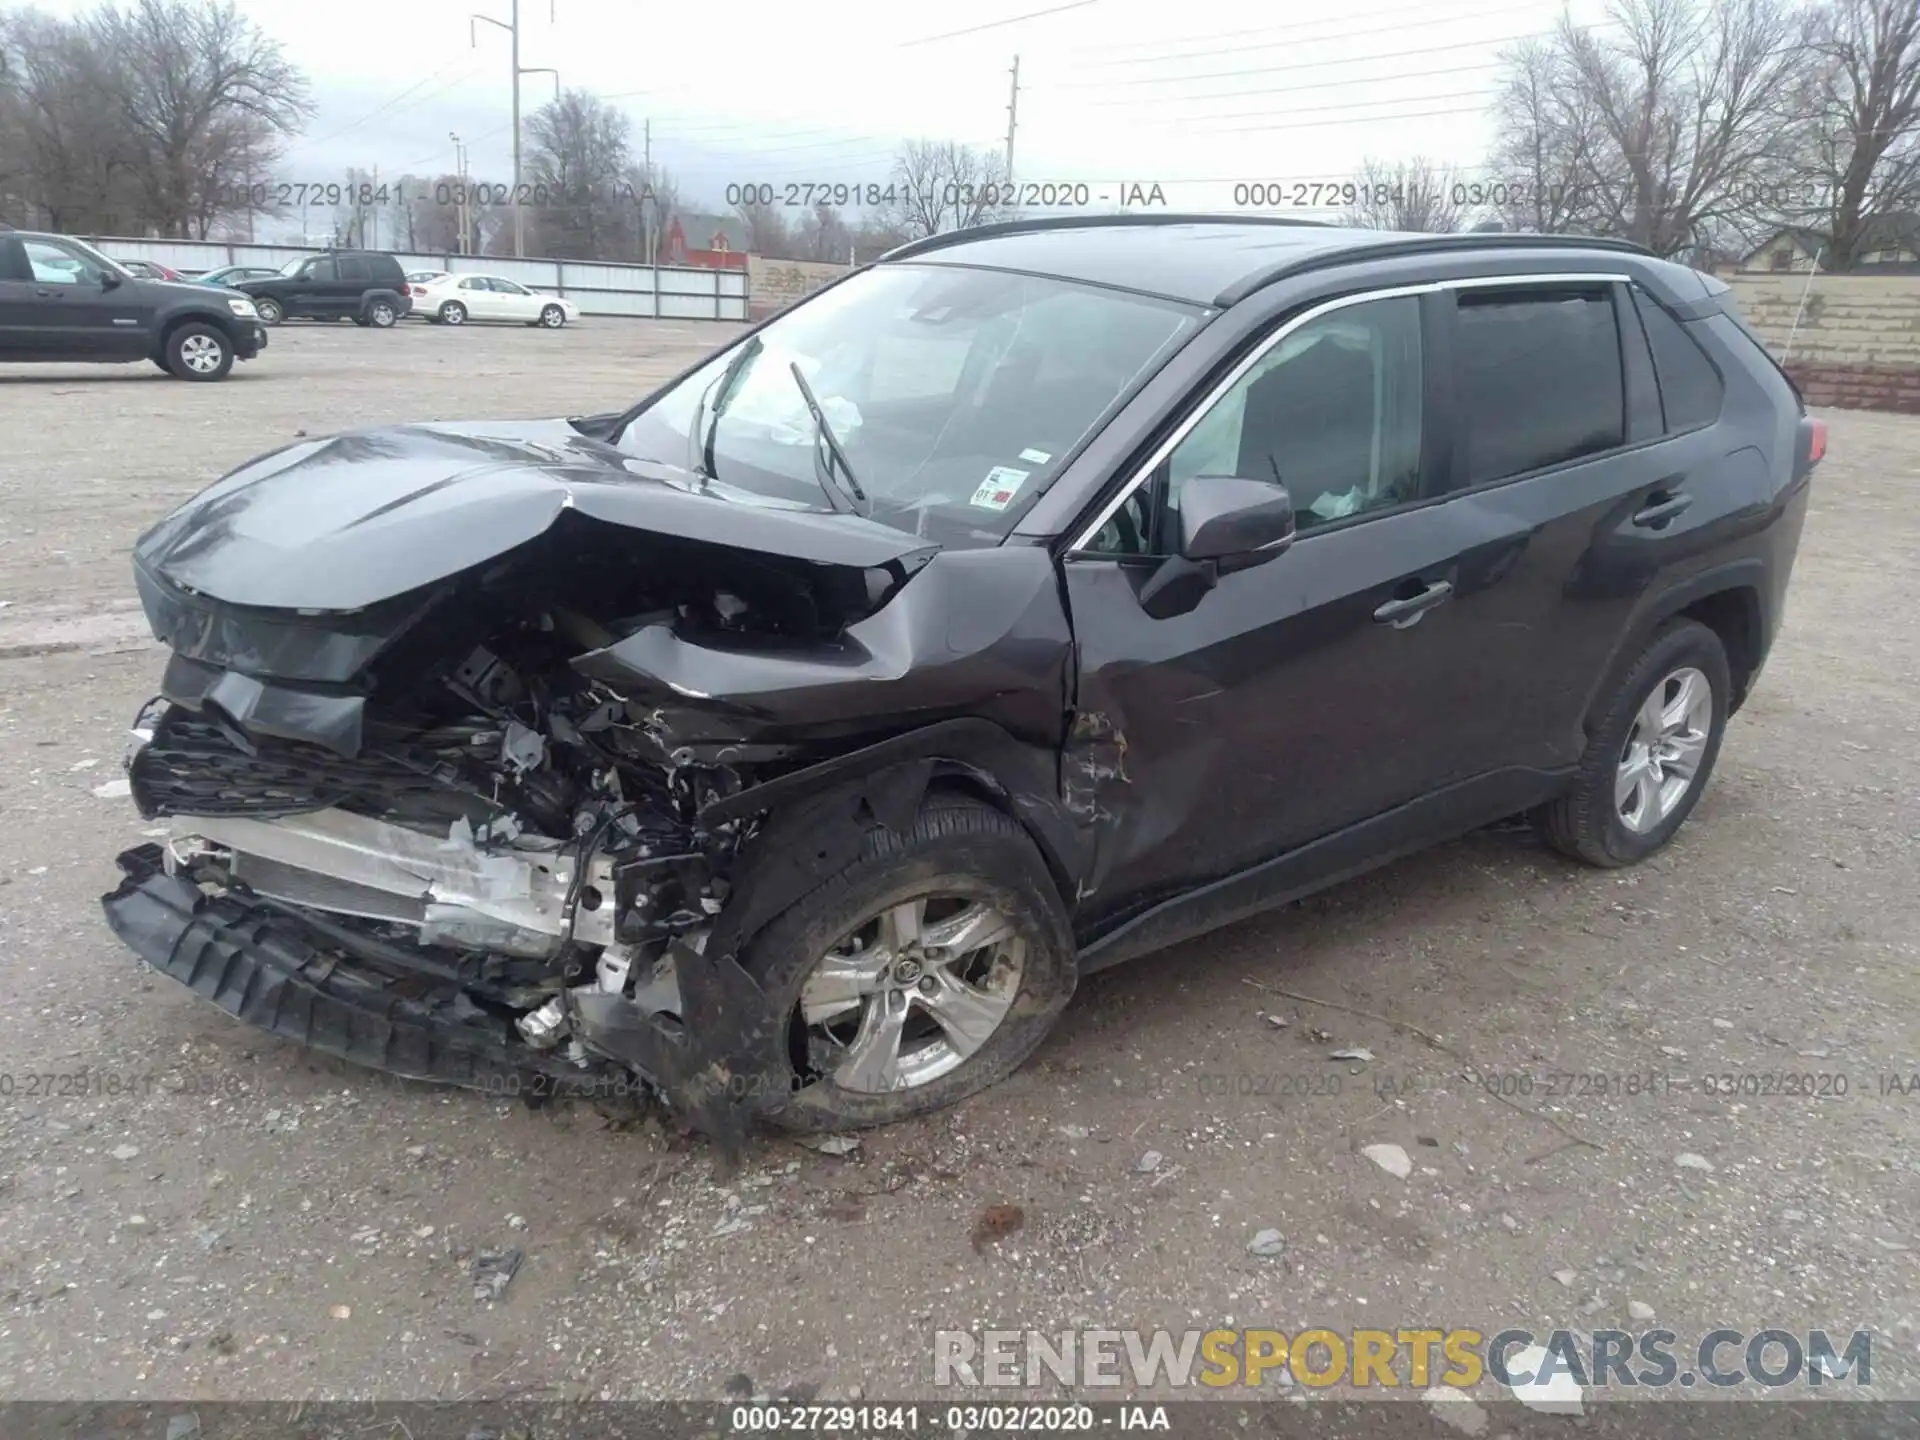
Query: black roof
x=1202, y=259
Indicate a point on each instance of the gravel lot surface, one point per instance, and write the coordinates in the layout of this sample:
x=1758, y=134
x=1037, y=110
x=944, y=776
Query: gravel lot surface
x=217, y=1215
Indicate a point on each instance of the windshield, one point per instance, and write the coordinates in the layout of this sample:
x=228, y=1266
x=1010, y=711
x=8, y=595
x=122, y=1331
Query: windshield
x=292, y=267
x=953, y=394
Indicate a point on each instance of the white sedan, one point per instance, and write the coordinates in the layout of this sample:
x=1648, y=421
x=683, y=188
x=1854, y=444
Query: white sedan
x=457, y=298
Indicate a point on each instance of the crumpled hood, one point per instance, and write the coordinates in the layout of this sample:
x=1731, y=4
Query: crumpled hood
x=353, y=519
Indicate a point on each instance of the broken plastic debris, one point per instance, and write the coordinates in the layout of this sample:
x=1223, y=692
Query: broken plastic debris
x=1455, y=1410
x=1354, y=1054
x=493, y=1272
x=113, y=789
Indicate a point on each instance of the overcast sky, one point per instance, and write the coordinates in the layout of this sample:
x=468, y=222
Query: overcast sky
x=1195, y=96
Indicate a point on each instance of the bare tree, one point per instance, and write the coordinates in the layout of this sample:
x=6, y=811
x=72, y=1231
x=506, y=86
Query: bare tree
x=1414, y=195
x=941, y=185
x=580, y=155
x=1857, y=165
x=1668, y=130
x=72, y=165
x=187, y=77
x=823, y=235
x=1548, y=138
x=766, y=227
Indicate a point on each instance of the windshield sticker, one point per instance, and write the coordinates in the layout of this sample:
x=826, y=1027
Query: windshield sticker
x=996, y=492
x=1035, y=457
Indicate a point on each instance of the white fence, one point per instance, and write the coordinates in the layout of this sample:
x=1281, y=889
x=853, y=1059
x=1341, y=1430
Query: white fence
x=669, y=292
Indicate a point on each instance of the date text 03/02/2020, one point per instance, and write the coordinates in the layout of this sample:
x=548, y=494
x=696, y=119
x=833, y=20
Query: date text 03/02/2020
x=536, y=195
x=986, y=195
x=904, y=1420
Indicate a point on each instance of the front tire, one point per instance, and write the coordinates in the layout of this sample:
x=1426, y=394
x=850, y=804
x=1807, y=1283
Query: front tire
x=270, y=311
x=199, y=352
x=924, y=972
x=553, y=317
x=1650, y=755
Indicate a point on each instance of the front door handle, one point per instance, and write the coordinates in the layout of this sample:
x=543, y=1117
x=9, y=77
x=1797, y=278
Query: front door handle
x=1404, y=612
x=1661, y=506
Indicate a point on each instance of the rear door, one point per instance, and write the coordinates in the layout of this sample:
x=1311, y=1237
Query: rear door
x=476, y=293
x=355, y=277
x=1561, y=437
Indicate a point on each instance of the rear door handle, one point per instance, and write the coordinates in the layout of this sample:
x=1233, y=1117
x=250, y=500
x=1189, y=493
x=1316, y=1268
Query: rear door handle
x=1402, y=613
x=1661, y=506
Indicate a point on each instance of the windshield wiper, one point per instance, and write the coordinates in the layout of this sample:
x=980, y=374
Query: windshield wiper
x=701, y=444
x=823, y=469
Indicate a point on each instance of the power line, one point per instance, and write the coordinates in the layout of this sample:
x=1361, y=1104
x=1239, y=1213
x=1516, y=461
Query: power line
x=382, y=109
x=1292, y=34
x=996, y=24
x=1274, y=69
x=1279, y=92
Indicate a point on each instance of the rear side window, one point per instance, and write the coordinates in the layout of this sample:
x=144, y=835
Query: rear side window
x=1539, y=380
x=1690, y=387
x=352, y=270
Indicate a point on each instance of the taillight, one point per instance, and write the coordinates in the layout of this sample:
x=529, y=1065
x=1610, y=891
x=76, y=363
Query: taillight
x=1817, y=440
x=416, y=290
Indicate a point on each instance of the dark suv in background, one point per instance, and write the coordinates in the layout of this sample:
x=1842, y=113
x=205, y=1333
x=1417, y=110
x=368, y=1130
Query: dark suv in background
x=62, y=300
x=364, y=286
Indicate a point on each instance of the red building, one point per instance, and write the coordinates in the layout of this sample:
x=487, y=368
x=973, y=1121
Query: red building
x=712, y=241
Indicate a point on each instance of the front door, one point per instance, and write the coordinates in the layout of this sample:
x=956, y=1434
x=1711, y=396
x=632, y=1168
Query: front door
x=1322, y=687
x=82, y=310
x=312, y=290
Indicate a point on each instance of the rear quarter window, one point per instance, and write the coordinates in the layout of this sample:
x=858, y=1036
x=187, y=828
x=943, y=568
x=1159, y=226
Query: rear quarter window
x=1691, y=388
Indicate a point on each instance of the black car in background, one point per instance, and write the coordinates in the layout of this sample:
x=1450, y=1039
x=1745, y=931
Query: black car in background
x=364, y=286
x=62, y=300
x=1036, y=598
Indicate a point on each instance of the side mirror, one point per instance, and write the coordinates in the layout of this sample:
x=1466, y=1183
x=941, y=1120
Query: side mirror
x=1235, y=521
x=109, y=280
x=1226, y=524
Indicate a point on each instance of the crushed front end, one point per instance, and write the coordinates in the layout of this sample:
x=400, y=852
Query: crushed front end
x=506, y=813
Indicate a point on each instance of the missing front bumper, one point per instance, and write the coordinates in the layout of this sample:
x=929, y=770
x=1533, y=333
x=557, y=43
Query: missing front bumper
x=258, y=963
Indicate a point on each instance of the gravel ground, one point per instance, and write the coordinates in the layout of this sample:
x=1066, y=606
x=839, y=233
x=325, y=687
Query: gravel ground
x=218, y=1215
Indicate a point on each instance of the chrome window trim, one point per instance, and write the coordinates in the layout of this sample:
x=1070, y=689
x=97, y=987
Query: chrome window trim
x=1092, y=531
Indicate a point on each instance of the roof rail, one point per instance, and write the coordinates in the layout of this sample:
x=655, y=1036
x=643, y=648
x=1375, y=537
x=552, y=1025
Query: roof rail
x=1083, y=222
x=1398, y=245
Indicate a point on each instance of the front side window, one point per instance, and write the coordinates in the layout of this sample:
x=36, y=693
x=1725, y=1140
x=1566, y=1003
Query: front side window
x=1332, y=412
x=58, y=265
x=955, y=393
x=1539, y=379
x=507, y=287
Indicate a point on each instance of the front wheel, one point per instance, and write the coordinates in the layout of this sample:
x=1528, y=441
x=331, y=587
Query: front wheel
x=926, y=971
x=199, y=352
x=553, y=317
x=270, y=311
x=1649, y=756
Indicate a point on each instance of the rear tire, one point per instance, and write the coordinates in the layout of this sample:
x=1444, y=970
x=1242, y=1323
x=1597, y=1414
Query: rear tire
x=381, y=314
x=1640, y=778
x=197, y=351
x=269, y=311
x=959, y=851
x=453, y=313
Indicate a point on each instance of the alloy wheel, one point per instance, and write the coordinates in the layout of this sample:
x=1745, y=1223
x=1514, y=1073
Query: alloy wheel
x=553, y=317
x=1661, y=758
x=911, y=993
x=201, y=354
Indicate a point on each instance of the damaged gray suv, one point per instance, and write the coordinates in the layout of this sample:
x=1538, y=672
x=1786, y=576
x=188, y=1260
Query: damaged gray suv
x=789, y=744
